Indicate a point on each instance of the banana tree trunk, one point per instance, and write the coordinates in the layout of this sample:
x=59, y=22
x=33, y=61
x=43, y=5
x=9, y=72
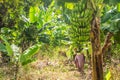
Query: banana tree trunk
x=97, y=50
x=97, y=73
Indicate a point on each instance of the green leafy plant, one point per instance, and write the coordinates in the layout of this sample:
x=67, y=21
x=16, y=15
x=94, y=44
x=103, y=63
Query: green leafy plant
x=26, y=57
x=19, y=58
x=23, y=58
x=108, y=75
x=34, y=14
x=8, y=47
x=2, y=48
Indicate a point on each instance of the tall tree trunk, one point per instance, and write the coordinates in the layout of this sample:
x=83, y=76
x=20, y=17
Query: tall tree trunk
x=97, y=51
x=97, y=73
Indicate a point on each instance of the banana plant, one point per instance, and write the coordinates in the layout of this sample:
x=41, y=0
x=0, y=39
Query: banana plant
x=14, y=52
x=111, y=21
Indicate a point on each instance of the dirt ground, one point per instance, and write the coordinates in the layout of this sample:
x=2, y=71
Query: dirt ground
x=53, y=69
